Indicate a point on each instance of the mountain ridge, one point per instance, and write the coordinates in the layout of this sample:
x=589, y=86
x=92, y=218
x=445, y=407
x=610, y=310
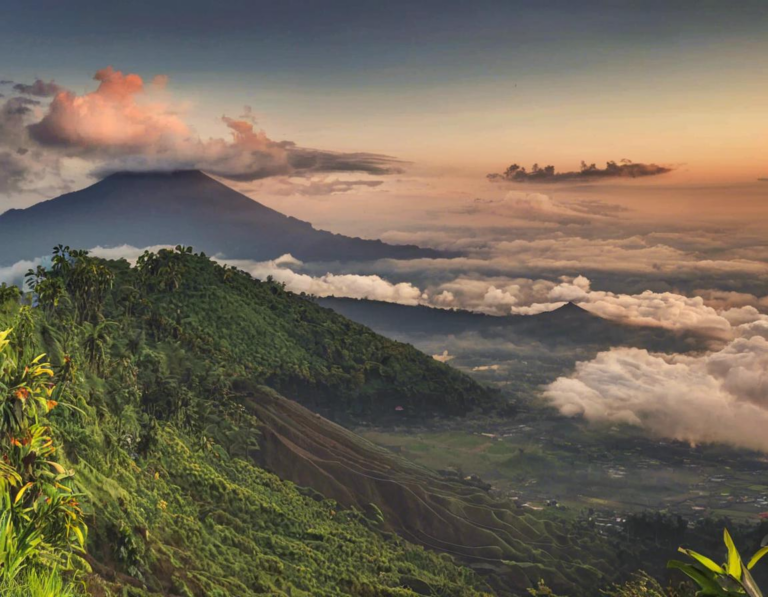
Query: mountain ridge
x=568, y=325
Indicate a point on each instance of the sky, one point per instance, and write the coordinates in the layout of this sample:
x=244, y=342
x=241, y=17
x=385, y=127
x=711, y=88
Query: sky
x=384, y=120
x=460, y=87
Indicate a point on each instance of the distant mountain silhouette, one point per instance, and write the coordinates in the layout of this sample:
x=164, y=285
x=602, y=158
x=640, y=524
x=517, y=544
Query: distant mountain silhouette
x=183, y=207
x=567, y=325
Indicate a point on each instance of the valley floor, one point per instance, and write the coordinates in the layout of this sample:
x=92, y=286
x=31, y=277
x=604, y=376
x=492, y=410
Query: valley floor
x=547, y=462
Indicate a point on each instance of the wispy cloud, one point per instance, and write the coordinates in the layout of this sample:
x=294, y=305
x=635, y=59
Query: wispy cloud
x=39, y=88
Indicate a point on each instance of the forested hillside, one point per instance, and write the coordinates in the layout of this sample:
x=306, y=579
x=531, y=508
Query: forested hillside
x=148, y=451
x=269, y=335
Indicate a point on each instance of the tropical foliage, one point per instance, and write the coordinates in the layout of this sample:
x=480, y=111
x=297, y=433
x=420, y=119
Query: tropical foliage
x=730, y=579
x=41, y=523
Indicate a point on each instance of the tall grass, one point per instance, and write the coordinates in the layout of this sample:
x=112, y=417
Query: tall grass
x=40, y=583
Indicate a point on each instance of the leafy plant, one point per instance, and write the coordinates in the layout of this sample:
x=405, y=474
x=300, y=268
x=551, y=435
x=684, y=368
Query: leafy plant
x=731, y=579
x=9, y=293
x=40, y=519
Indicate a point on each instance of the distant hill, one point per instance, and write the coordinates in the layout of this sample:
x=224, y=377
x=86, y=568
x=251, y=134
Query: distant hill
x=569, y=324
x=184, y=207
x=517, y=353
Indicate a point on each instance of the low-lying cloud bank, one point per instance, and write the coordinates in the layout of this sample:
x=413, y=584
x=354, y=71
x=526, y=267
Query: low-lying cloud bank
x=719, y=397
x=347, y=285
x=587, y=173
x=128, y=124
x=656, y=309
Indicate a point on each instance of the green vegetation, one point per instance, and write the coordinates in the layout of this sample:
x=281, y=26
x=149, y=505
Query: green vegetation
x=731, y=579
x=41, y=523
x=275, y=338
x=157, y=446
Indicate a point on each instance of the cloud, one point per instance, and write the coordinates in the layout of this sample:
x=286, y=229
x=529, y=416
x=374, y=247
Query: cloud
x=14, y=274
x=635, y=260
x=39, y=88
x=633, y=254
x=718, y=397
x=531, y=206
x=13, y=171
x=346, y=285
x=310, y=186
x=21, y=163
x=444, y=357
x=486, y=368
x=588, y=173
x=126, y=124
x=724, y=299
x=666, y=310
x=127, y=252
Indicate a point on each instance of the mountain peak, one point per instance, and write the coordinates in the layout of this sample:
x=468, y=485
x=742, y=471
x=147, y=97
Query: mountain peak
x=187, y=207
x=570, y=307
x=570, y=310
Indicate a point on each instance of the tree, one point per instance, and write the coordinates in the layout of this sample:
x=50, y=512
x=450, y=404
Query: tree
x=9, y=293
x=96, y=343
x=88, y=281
x=73, y=272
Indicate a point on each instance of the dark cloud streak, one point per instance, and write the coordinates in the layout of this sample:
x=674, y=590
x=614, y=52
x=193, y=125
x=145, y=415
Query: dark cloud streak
x=39, y=88
x=587, y=173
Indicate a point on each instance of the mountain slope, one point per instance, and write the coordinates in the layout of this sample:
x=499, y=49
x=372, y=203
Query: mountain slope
x=163, y=451
x=509, y=546
x=185, y=207
x=283, y=340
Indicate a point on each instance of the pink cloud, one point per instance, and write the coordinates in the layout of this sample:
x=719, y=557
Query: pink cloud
x=127, y=125
x=114, y=117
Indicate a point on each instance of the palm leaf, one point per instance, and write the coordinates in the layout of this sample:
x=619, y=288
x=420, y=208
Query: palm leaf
x=703, y=560
x=707, y=584
x=756, y=558
x=734, y=565
x=749, y=584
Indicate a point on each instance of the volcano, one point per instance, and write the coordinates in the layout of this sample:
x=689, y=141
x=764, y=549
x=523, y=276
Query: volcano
x=183, y=207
